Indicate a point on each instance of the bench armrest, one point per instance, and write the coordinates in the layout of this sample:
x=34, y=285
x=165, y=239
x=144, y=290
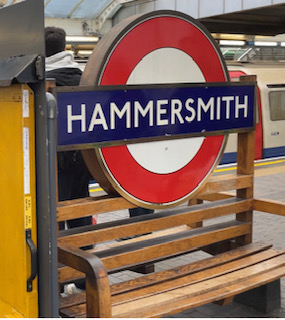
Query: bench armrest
x=98, y=297
x=270, y=206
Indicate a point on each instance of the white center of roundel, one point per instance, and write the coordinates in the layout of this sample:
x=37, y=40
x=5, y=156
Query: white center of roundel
x=166, y=65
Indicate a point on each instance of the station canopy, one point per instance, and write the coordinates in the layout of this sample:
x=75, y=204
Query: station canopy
x=259, y=20
x=75, y=9
x=255, y=17
x=244, y=20
x=267, y=21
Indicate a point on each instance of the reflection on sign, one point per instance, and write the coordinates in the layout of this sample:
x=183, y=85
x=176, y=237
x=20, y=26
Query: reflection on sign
x=119, y=115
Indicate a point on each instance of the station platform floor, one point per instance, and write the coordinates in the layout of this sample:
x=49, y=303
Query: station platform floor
x=270, y=184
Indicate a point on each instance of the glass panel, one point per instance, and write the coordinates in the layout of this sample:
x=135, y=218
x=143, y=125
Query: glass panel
x=87, y=9
x=277, y=105
x=90, y=8
x=59, y=8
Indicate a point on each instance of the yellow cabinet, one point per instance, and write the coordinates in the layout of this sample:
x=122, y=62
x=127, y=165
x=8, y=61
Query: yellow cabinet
x=18, y=296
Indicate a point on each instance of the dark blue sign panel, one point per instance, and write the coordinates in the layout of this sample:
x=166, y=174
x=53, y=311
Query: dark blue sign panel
x=121, y=115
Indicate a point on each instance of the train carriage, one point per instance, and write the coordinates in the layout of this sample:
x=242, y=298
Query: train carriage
x=270, y=126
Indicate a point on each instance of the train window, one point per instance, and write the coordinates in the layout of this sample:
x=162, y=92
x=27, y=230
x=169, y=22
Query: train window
x=277, y=105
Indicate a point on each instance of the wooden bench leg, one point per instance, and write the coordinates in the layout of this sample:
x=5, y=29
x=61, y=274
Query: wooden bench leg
x=225, y=301
x=220, y=247
x=146, y=269
x=198, y=224
x=264, y=299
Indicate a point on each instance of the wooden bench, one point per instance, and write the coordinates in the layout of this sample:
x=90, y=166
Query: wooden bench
x=230, y=264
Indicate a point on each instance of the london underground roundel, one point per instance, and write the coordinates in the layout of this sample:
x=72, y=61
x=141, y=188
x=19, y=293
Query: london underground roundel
x=155, y=48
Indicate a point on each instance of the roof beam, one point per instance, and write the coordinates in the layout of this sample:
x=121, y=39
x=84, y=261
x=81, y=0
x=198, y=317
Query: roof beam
x=107, y=13
x=74, y=8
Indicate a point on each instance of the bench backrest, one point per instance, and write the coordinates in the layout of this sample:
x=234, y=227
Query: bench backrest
x=172, y=231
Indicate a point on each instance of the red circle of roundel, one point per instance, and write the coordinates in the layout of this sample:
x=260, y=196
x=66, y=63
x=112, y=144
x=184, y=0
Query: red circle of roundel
x=149, y=35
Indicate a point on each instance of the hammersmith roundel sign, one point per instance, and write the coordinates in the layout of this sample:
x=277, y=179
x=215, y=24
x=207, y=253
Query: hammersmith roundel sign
x=153, y=109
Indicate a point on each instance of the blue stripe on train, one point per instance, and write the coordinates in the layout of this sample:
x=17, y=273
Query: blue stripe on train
x=231, y=157
x=274, y=152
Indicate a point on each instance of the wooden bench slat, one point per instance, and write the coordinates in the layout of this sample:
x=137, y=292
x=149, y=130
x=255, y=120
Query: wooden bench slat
x=146, y=251
x=215, y=281
x=196, y=277
x=73, y=209
x=186, y=269
x=152, y=222
x=265, y=205
x=260, y=261
x=217, y=196
x=212, y=296
x=226, y=182
x=78, y=311
x=84, y=207
x=189, y=268
x=191, y=296
x=162, y=300
x=206, y=269
x=177, y=272
x=67, y=273
x=72, y=300
x=75, y=275
x=165, y=246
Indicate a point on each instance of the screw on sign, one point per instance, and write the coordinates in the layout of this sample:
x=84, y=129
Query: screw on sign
x=162, y=47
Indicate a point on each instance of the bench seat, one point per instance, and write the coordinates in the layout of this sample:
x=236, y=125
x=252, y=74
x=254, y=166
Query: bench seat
x=213, y=279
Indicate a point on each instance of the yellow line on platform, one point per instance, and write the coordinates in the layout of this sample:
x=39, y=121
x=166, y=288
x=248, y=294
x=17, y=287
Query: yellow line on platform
x=225, y=169
x=268, y=163
x=95, y=190
x=256, y=165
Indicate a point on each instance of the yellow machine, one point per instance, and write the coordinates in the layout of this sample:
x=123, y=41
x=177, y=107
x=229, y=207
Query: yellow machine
x=18, y=294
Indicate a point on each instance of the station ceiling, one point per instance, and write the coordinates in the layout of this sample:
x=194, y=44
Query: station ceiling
x=267, y=21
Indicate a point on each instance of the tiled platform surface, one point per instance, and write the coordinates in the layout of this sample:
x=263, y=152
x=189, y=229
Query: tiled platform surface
x=270, y=184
